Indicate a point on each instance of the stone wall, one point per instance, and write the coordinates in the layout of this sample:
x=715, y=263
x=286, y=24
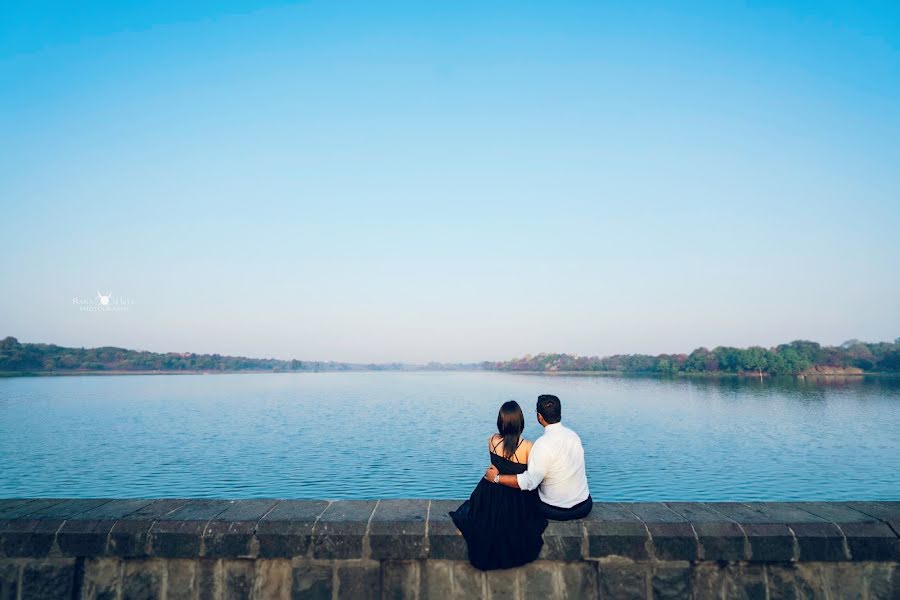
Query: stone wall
x=172, y=549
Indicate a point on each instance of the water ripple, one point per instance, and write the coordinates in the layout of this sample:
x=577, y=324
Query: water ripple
x=365, y=435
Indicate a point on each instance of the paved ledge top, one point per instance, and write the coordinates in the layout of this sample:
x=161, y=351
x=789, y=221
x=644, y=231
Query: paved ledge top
x=420, y=529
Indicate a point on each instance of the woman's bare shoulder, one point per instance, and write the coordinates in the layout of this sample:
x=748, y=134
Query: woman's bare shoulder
x=493, y=439
x=524, y=450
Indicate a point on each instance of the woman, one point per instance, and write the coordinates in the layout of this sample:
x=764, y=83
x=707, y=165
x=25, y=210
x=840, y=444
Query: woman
x=502, y=525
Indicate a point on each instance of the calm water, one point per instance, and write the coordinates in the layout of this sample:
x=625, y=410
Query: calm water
x=363, y=435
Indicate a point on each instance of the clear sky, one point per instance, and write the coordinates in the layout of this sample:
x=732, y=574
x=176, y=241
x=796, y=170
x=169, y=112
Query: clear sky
x=449, y=181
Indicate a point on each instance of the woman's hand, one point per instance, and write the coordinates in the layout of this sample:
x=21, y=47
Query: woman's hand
x=491, y=473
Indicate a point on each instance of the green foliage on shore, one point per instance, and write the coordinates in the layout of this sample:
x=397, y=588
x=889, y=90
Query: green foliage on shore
x=16, y=357
x=795, y=358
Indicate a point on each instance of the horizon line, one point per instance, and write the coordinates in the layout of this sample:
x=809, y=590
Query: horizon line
x=846, y=343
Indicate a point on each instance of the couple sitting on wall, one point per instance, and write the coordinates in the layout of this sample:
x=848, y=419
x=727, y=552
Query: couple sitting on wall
x=504, y=519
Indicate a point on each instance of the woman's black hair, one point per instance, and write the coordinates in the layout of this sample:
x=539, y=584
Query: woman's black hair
x=510, y=424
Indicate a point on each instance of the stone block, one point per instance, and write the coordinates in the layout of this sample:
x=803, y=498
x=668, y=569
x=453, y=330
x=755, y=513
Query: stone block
x=819, y=541
x=179, y=533
x=176, y=539
x=340, y=531
x=273, y=579
x=845, y=581
x=653, y=512
x=48, y=579
x=312, y=580
x=400, y=579
x=247, y=510
x=468, y=582
x=142, y=579
x=579, y=579
x=698, y=512
x=721, y=541
x=671, y=535
x=879, y=581
x=541, y=580
x=629, y=540
x=114, y=509
x=198, y=510
x=84, y=537
x=20, y=510
x=671, y=581
x=102, y=579
x=69, y=509
x=782, y=581
x=611, y=512
x=744, y=581
x=358, y=580
x=707, y=581
x=740, y=512
x=28, y=537
x=871, y=541
x=719, y=537
x=673, y=541
x=612, y=530
x=239, y=576
x=437, y=580
x=181, y=579
x=228, y=539
x=826, y=580
x=502, y=584
x=809, y=581
x=563, y=540
x=784, y=512
x=9, y=579
x=286, y=531
x=129, y=538
x=397, y=529
x=769, y=541
x=887, y=512
x=444, y=539
x=230, y=533
x=834, y=512
x=156, y=509
x=210, y=579
x=621, y=578
x=7, y=504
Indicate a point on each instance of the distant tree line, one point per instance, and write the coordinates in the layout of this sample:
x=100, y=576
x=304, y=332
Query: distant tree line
x=797, y=357
x=15, y=356
x=19, y=357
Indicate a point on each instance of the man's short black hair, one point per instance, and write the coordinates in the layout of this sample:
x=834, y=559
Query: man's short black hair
x=548, y=406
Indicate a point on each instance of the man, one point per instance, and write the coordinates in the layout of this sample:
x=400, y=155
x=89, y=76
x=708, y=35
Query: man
x=556, y=464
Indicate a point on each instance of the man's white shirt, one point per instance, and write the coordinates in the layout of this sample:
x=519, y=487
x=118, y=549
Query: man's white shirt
x=556, y=464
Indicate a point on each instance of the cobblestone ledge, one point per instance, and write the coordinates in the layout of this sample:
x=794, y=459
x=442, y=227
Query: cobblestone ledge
x=86, y=548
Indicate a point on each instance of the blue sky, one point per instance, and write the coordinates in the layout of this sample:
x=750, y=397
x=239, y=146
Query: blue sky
x=449, y=181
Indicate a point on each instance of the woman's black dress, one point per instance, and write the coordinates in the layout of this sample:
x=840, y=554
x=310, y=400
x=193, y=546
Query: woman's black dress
x=502, y=525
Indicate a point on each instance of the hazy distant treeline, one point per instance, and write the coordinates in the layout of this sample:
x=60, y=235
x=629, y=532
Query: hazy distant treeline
x=28, y=358
x=787, y=359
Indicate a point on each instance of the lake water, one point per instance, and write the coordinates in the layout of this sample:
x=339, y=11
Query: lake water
x=367, y=435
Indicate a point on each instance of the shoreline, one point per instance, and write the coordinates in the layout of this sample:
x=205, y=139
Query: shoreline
x=705, y=375
x=114, y=373
x=713, y=375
